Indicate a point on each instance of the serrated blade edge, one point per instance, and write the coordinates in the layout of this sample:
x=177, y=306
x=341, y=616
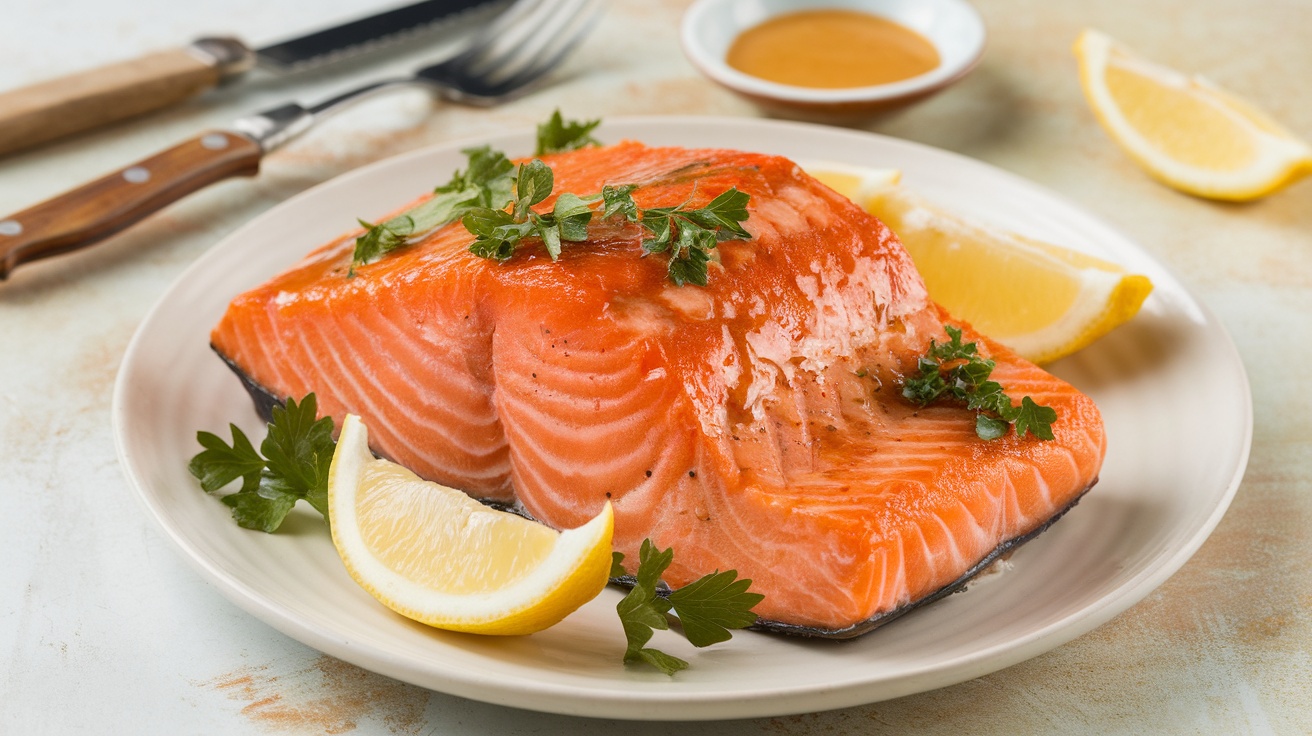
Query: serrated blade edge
x=357, y=35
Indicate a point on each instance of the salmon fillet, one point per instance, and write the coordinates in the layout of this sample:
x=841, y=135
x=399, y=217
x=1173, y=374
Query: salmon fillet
x=753, y=424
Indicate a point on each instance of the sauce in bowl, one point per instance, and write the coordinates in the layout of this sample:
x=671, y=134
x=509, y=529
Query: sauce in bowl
x=831, y=49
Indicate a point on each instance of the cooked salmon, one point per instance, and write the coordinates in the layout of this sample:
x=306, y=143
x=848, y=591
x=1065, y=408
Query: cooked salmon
x=753, y=424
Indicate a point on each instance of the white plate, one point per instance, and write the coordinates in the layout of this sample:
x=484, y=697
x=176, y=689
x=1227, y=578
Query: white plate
x=1173, y=464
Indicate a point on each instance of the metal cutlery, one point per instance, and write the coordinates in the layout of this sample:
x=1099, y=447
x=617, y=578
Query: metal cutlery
x=503, y=61
x=56, y=108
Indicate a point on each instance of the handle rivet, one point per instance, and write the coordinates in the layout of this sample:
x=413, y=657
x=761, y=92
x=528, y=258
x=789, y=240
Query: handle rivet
x=214, y=141
x=136, y=175
x=11, y=227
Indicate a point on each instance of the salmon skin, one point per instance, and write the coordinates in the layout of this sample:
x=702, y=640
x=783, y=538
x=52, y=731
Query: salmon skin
x=754, y=424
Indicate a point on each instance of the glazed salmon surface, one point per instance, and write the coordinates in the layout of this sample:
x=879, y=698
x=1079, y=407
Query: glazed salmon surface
x=753, y=424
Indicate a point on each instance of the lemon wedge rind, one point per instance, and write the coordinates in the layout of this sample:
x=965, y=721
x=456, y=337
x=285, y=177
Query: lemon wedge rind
x=574, y=571
x=1107, y=300
x=1259, y=156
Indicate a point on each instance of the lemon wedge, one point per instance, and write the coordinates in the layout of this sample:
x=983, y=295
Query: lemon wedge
x=435, y=555
x=857, y=183
x=1043, y=301
x=1184, y=130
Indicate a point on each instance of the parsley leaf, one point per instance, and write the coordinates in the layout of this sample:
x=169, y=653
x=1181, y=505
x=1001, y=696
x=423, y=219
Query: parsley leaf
x=953, y=349
x=263, y=510
x=989, y=428
x=299, y=448
x=558, y=135
x=618, y=200
x=296, y=455
x=1033, y=418
x=688, y=235
x=220, y=464
x=533, y=183
x=486, y=182
x=707, y=608
x=617, y=565
x=925, y=387
x=690, y=267
x=724, y=215
x=497, y=232
x=956, y=370
x=488, y=175
x=381, y=239
x=642, y=611
x=712, y=605
x=667, y=663
x=572, y=214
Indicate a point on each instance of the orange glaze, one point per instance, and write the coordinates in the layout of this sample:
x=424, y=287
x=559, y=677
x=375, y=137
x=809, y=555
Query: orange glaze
x=832, y=49
x=728, y=422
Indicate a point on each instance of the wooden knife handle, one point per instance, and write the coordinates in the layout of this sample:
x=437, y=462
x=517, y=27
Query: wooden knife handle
x=94, y=211
x=59, y=107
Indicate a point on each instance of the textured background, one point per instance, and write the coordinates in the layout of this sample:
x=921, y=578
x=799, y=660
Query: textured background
x=104, y=627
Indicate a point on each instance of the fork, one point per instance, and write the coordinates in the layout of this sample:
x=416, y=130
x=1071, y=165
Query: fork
x=503, y=61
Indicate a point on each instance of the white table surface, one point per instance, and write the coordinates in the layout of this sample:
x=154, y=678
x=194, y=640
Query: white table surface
x=104, y=628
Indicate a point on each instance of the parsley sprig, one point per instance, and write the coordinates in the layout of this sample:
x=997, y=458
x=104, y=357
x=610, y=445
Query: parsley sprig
x=294, y=466
x=956, y=370
x=707, y=608
x=689, y=235
x=558, y=135
x=486, y=182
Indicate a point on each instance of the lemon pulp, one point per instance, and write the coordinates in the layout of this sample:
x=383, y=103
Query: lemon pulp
x=1184, y=130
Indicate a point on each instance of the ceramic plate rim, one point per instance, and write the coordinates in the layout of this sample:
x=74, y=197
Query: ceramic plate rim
x=638, y=703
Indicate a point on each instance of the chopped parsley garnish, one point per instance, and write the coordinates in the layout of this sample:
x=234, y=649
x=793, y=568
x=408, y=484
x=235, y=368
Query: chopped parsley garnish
x=296, y=454
x=707, y=608
x=558, y=135
x=493, y=198
x=957, y=371
x=688, y=235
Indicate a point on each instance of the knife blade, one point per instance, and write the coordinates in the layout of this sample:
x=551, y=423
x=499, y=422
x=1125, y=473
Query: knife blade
x=357, y=35
x=50, y=110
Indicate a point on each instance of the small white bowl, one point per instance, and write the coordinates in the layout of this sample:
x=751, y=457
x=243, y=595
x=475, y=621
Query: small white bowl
x=953, y=26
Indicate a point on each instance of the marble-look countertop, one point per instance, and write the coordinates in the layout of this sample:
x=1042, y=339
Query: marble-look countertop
x=104, y=628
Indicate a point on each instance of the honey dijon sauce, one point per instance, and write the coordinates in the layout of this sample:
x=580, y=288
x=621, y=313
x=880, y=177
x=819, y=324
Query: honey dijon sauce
x=832, y=49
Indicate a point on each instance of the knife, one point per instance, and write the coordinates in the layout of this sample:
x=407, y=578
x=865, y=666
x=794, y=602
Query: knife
x=48, y=110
